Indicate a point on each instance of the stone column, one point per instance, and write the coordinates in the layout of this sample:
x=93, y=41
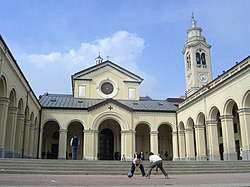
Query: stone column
x=182, y=145
x=31, y=140
x=4, y=103
x=213, y=145
x=35, y=147
x=40, y=143
x=27, y=138
x=10, y=132
x=90, y=145
x=244, y=117
x=127, y=144
x=62, y=143
x=175, y=146
x=154, y=142
x=190, y=144
x=19, y=136
x=200, y=142
x=228, y=137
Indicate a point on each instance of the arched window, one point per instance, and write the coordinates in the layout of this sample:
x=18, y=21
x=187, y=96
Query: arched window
x=203, y=58
x=198, y=59
x=188, y=61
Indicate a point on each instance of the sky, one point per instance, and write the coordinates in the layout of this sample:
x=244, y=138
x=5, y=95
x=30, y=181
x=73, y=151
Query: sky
x=54, y=39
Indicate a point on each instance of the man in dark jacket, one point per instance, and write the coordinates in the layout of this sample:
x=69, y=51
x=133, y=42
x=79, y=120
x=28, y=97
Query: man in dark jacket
x=74, y=143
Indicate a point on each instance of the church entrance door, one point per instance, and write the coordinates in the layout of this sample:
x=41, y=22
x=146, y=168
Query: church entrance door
x=106, y=144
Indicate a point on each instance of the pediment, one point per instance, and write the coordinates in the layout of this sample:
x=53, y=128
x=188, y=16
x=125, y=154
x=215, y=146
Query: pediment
x=107, y=66
x=109, y=102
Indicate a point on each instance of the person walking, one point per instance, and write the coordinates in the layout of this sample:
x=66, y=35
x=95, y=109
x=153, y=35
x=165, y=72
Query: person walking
x=155, y=161
x=74, y=143
x=136, y=164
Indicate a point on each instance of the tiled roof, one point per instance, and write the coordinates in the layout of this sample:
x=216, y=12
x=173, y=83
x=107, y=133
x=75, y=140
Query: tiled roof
x=63, y=101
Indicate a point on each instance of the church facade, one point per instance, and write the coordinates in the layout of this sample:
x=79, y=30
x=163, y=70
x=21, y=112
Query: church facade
x=113, y=121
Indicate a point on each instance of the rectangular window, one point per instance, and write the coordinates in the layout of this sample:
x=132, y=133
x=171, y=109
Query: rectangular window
x=131, y=93
x=82, y=91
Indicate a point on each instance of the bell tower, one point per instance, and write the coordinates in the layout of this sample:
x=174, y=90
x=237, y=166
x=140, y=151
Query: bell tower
x=198, y=70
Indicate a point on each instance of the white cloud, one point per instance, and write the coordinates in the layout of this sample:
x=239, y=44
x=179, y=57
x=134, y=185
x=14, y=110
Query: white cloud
x=123, y=48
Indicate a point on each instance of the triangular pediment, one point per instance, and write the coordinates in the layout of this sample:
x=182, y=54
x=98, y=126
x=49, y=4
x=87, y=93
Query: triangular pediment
x=89, y=73
x=107, y=102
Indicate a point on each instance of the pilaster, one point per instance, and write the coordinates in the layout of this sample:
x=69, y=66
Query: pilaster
x=154, y=142
x=127, y=144
x=4, y=103
x=31, y=140
x=175, y=146
x=90, y=150
x=26, y=139
x=244, y=117
x=228, y=137
x=200, y=143
x=10, y=132
x=19, y=136
x=213, y=145
x=190, y=144
x=62, y=144
x=182, y=145
x=35, y=147
x=40, y=143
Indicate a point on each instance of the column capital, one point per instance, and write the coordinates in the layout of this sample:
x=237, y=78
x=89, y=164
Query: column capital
x=28, y=122
x=189, y=130
x=243, y=111
x=154, y=132
x=174, y=132
x=226, y=117
x=20, y=116
x=212, y=122
x=128, y=131
x=199, y=126
x=181, y=132
x=90, y=130
x=4, y=101
x=63, y=130
x=13, y=110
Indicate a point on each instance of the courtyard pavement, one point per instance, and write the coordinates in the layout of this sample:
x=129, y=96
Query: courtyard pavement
x=204, y=180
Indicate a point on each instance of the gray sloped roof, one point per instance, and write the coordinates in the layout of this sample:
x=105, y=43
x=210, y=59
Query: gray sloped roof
x=64, y=101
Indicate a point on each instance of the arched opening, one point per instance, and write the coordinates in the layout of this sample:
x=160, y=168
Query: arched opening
x=214, y=117
x=201, y=137
x=232, y=110
x=246, y=100
x=190, y=140
x=237, y=132
x=142, y=139
x=109, y=140
x=75, y=128
x=2, y=87
x=165, y=145
x=182, y=141
x=19, y=128
x=50, y=144
x=11, y=126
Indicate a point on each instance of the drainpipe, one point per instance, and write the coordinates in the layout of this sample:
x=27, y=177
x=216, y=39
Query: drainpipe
x=25, y=120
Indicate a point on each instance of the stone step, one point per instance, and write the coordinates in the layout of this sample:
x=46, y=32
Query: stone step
x=101, y=167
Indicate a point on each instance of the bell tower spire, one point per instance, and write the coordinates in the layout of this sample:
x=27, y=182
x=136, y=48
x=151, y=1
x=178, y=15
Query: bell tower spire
x=193, y=22
x=197, y=61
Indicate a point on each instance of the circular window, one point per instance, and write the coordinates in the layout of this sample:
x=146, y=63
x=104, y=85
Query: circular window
x=107, y=88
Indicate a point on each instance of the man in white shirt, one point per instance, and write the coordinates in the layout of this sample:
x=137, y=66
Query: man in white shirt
x=155, y=160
